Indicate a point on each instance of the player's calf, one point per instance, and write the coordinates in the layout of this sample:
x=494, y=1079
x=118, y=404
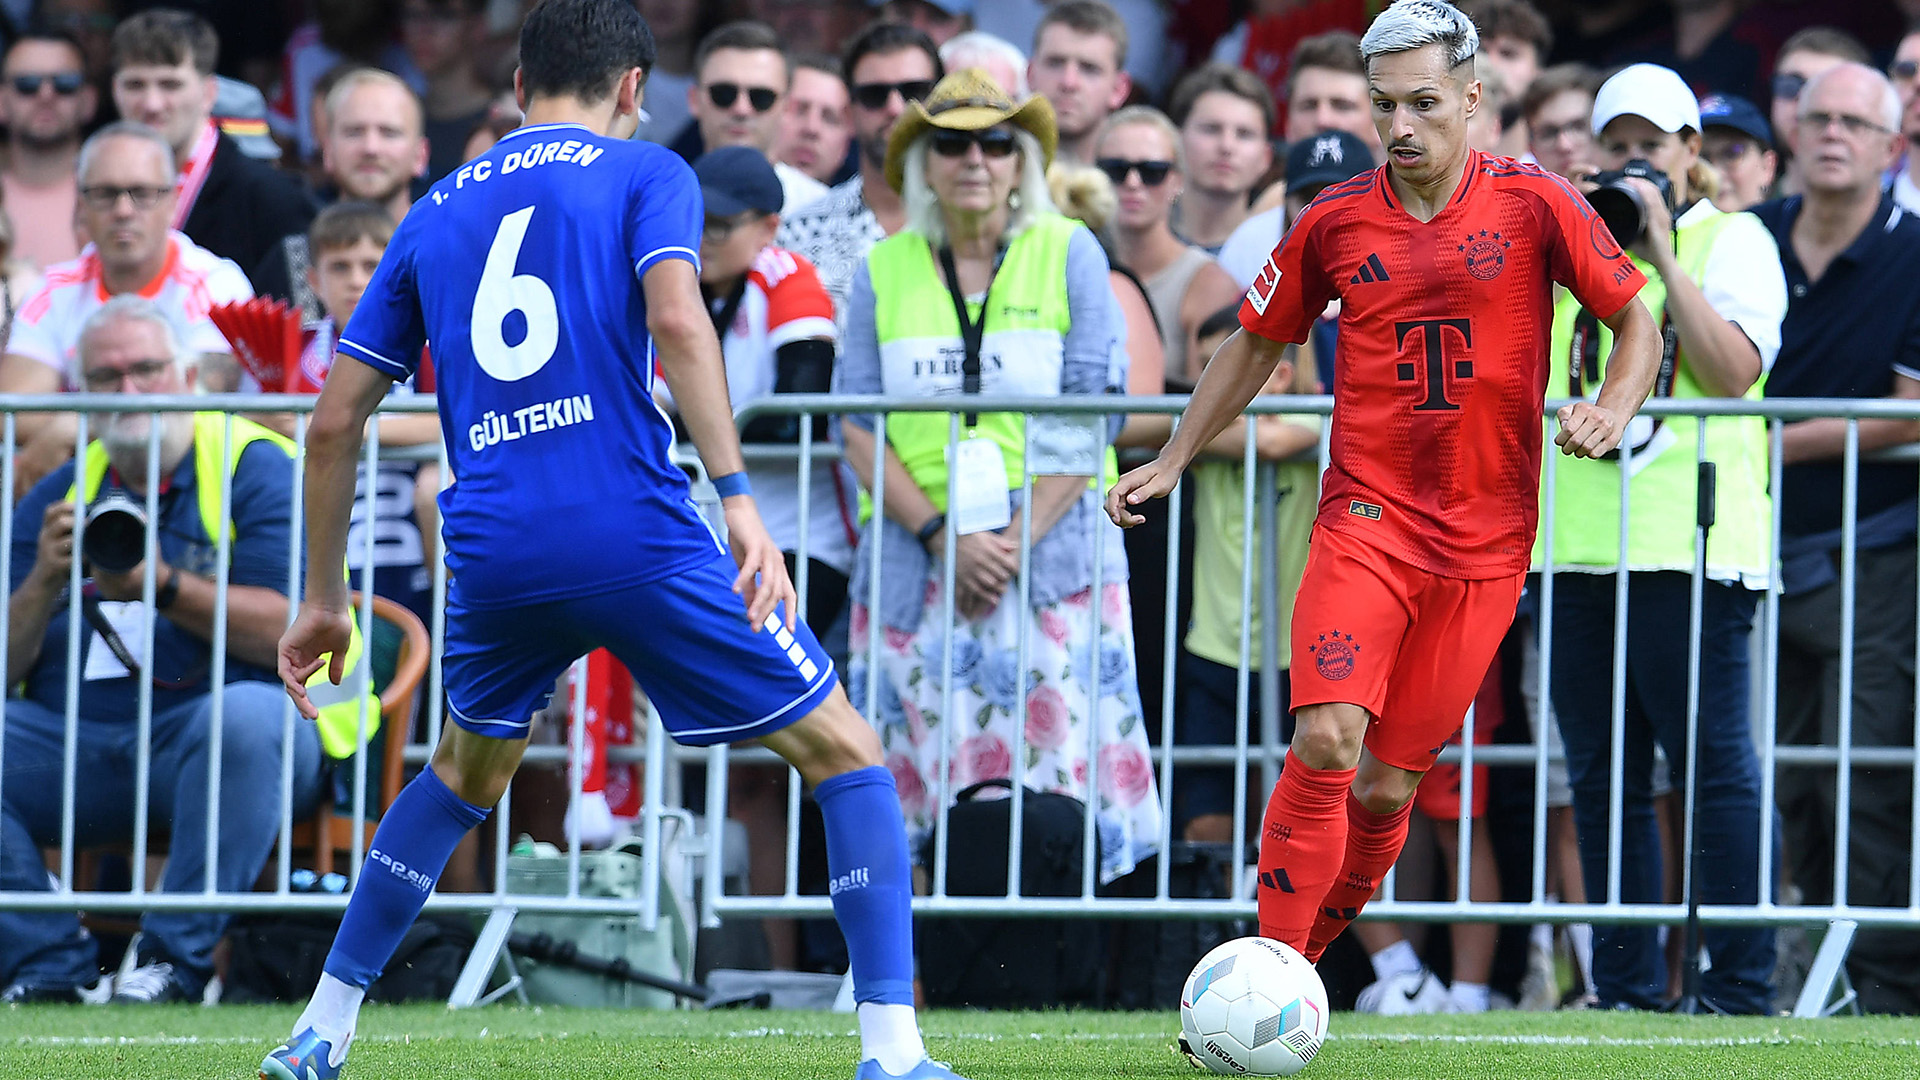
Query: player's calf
x=832, y=739
x=475, y=767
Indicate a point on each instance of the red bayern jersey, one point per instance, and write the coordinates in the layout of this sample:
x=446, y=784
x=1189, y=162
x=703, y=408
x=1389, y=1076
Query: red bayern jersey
x=1442, y=363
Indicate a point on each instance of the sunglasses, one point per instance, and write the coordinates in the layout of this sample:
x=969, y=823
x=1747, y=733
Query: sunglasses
x=1905, y=69
x=1152, y=173
x=717, y=230
x=875, y=95
x=1788, y=86
x=724, y=94
x=66, y=83
x=994, y=143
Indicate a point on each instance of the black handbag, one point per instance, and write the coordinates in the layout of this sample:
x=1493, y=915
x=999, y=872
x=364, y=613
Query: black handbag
x=1012, y=963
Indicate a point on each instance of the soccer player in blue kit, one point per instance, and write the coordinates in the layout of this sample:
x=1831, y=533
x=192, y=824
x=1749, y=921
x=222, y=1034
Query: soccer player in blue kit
x=549, y=273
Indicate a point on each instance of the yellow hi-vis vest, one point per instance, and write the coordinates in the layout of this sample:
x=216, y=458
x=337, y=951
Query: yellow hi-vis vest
x=1661, y=519
x=339, y=706
x=1021, y=351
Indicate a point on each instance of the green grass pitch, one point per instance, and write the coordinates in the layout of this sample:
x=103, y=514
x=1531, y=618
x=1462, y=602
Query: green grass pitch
x=426, y=1042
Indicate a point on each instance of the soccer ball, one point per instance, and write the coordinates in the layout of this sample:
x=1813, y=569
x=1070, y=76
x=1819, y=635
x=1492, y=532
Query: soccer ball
x=1254, y=1007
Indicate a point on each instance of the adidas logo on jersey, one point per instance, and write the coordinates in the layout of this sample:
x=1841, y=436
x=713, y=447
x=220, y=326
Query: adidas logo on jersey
x=1370, y=271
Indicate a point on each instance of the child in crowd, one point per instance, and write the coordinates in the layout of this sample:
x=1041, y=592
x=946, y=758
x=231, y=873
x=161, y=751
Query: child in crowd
x=346, y=241
x=1203, y=796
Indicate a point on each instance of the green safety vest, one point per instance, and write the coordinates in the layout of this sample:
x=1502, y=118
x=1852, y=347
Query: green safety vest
x=1220, y=528
x=1661, y=521
x=339, y=706
x=1021, y=350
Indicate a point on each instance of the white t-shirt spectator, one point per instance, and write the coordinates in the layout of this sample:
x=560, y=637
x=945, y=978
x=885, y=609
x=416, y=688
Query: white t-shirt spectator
x=192, y=282
x=1252, y=244
x=785, y=302
x=1742, y=279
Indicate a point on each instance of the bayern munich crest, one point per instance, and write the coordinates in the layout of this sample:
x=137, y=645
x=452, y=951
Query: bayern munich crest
x=1334, y=654
x=1486, y=254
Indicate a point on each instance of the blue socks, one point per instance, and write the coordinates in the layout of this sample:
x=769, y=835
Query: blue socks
x=410, y=849
x=868, y=878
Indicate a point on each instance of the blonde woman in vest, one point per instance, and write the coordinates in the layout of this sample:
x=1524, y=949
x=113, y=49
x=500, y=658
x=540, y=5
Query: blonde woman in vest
x=970, y=166
x=1139, y=150
x=1715, y=284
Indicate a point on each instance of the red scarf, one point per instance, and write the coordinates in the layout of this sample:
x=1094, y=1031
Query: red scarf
x=193, y=174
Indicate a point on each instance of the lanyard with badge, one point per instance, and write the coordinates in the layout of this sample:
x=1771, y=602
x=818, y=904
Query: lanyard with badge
x=981, y=499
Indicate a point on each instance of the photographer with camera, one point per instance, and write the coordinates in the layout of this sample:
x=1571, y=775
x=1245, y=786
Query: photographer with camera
x=1715, y=285
x=129, y=346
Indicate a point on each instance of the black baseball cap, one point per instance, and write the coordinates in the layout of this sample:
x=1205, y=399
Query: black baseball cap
x=1326, y=158
x=1728, y=111
x=736, y=179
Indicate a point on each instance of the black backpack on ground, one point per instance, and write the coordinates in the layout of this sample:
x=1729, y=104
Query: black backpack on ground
x=997, y=963
x=280, y=957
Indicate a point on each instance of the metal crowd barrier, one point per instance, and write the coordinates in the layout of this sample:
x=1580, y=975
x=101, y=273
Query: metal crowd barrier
x=665, y=764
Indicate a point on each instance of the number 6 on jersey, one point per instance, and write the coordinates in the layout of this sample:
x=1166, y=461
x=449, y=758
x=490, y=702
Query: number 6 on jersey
x=503, y=292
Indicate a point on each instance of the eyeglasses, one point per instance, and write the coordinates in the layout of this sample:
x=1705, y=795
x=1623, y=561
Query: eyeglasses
x=1788, y=86
x=1905, y=69
x=65, y=83
x=1548, y=133
x=104, y=380
x=1858, y=127
x=106, y=198
x=718, y=229
x=876, y=95
x=994, y=142
x=1152, y=173
x=724, y=94
x=1731, y=152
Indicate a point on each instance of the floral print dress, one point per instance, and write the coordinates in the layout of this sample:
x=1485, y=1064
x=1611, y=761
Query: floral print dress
x=1081, y=718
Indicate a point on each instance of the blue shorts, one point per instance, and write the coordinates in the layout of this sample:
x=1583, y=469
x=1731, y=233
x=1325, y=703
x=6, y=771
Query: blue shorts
x=709, y=677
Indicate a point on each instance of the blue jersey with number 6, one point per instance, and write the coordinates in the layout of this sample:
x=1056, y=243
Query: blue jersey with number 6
x=522, y=269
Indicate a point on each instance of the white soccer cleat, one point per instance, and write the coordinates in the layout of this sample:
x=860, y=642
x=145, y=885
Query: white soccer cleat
x=1413, y=993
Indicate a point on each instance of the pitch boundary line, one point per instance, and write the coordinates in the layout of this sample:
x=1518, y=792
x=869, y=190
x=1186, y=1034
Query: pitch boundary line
x=1382, y=1036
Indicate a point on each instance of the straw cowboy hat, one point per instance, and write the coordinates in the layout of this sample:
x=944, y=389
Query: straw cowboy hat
x=969, y=100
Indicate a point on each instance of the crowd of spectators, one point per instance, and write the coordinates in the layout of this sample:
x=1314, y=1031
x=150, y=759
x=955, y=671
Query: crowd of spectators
x=159, y=163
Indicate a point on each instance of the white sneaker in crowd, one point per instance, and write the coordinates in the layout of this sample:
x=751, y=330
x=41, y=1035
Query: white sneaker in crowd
x=1408, y=994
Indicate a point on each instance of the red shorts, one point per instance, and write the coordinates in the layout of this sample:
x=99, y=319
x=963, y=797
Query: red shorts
x=1409, y=646
x=1438, y=796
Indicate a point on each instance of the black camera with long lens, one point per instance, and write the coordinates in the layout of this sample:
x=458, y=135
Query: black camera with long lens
x=1619, y=203
x=116, y=536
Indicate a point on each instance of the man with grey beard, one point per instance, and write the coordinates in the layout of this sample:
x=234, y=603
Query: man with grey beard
x=147, y=622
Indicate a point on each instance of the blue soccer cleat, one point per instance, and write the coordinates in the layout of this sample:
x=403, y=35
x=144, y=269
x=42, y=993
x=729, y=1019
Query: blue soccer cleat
x=306, y=1056
x=928, y=1069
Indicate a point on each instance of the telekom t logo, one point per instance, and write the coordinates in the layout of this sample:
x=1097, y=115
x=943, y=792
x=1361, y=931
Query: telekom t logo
x=1434, y=370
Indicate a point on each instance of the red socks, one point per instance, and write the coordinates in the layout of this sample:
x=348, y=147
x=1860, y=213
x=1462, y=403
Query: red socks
x=1373, y=843
x=1303, y=840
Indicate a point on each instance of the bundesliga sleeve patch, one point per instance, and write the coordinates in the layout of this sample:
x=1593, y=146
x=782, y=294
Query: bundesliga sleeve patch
x=1261, y=294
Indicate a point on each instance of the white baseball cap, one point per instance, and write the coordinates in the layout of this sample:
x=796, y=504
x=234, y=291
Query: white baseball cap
x=1647, y=90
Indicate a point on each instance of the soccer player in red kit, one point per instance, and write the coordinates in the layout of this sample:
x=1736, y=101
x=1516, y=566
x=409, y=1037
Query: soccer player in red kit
x=1444, y=261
